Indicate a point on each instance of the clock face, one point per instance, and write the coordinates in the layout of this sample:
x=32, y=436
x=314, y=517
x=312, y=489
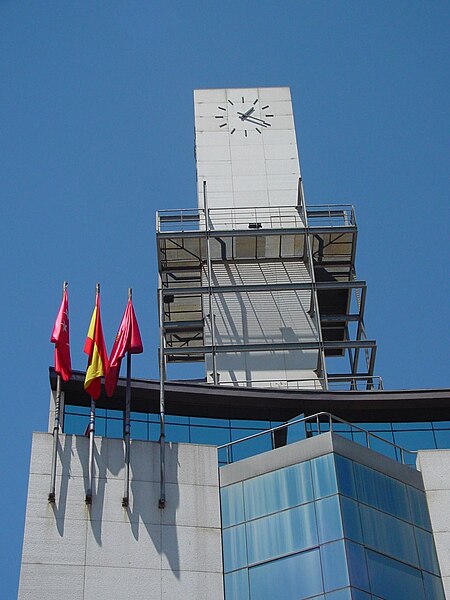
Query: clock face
x=244, y=117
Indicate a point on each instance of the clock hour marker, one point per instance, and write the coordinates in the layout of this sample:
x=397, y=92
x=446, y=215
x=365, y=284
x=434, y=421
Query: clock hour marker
x=264, y=107
x=243, y=100
x=233, y=130
x=268, y=115
x=223, y=125
x=221, y=108
x=232, y=103
x=220, y=117
x=258, y=130
x=255, y=102
x=245, y=133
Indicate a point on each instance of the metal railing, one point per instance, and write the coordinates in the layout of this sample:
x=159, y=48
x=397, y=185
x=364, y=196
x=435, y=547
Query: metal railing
x=331, y=215
x=339, y=383
x=254, y=218
x=324, y=422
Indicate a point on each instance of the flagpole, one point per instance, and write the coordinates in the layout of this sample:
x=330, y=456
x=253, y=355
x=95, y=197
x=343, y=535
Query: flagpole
x=88, y=498
x=52, y=493
x=91, y=453
x=126, y=491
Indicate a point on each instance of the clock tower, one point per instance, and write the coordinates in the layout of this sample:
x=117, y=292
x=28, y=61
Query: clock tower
x=248, y=176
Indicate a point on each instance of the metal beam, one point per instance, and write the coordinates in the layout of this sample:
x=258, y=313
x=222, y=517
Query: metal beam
x=263, y=287
x=270, y=347
x=255, y=232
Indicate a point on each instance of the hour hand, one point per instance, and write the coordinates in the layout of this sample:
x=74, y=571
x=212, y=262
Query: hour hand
x=247, y=113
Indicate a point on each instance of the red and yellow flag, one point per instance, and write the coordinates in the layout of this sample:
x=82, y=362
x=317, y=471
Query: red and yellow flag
x=95, y=348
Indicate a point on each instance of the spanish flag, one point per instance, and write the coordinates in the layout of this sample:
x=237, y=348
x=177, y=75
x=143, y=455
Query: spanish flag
x=96, y=350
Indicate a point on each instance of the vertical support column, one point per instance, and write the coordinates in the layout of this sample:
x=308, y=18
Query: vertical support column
x=210, y=293
x=162, y=416
x=315, y=302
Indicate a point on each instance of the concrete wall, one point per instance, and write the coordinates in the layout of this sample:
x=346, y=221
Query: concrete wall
x=435, y=468
x=105, y=551
x=257, y=169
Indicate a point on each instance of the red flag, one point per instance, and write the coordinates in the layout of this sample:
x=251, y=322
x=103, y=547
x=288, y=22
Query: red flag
x=60, y=337
x=128, y=339
x=95, y=348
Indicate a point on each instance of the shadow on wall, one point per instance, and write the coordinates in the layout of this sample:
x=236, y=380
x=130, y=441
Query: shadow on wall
x=142, y=520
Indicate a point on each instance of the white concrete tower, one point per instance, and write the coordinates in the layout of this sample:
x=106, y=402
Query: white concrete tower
x=246, y=153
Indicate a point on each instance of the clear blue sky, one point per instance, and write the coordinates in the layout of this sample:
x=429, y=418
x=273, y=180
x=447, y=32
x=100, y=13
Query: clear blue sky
x=96, y=129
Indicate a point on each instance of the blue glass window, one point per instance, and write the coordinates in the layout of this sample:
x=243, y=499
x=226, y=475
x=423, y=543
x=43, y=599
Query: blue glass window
x=388, y=535
x=236, y=585
x=114, y=426
x=291, y=578
x=329, y=519
x=324, y=476
x=360, y=595
x=413, y=440
x=433, y=587
x=177, y=420
x=382, y=492
x=252, y=447
x=427, y=552
x=442, y=438
x=345, y=477
x=334, y=565
x=381, y=446
x=393, y=580
x=278, y=490
x=177, y=433
x=281, y=533
x=344, y=594
x=215, y=436
x=208, y=422
x=351, y=519
x=419, y=507
x=357, y=566
x=75, y=424
x=232, y=504
x=139, y=430
x=100, y=426
x=234, y=548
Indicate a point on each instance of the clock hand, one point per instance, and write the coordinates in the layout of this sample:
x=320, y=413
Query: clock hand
x=247, y=113
x=257, y=121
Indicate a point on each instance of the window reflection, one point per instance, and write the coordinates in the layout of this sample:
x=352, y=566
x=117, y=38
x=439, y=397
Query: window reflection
x=383, y=492
x=334, y=565
x=393, y=580
x=278, y=490
x=281, y=533
x=388, y=535
x=236, y=585
x=324, y=476
x=234, y=548
x=329, y=519
x=232, y=504
x=292, y=578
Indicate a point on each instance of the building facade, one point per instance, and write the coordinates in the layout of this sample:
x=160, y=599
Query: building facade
x=287, y=472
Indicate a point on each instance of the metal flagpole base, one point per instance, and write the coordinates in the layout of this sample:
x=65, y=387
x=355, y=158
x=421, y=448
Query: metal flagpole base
x=125, y=502
x=51, y=497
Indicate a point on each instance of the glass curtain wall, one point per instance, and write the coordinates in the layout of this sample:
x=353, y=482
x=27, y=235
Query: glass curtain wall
x=327, y=528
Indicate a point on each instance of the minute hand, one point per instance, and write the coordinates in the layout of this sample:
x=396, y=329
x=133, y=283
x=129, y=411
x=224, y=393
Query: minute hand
x=254, y=120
